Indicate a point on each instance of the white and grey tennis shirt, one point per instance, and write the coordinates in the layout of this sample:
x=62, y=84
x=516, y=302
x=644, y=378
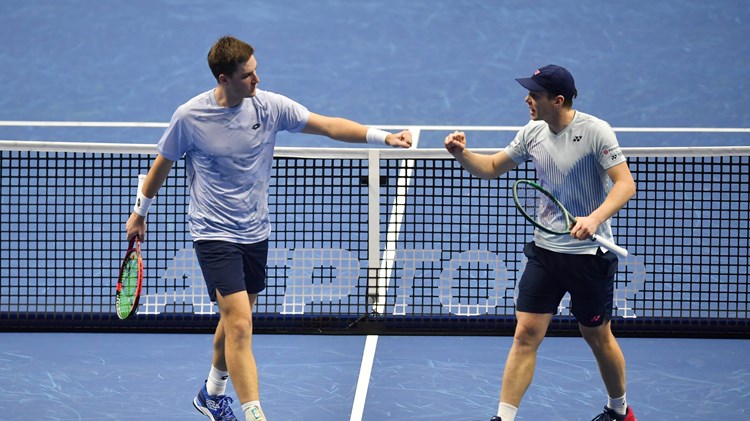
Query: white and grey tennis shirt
x=573, y=166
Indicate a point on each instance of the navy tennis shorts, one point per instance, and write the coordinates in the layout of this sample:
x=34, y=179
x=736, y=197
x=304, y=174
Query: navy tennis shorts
x=231, y=267
x=589, y=279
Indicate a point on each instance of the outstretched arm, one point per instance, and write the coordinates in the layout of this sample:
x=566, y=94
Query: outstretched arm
x=352, y=132
x=479, y=165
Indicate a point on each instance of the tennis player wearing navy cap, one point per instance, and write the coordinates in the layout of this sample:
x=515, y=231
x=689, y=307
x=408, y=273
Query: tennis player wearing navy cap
x=576, y=155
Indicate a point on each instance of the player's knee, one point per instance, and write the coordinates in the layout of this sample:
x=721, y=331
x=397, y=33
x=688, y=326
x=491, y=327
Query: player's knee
x=528, y=336
x=238, y=328
x=596, y=336
x=530, y=329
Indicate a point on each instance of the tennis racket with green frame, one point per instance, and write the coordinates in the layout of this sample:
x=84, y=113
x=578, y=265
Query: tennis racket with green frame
x=130, y=280
x=543, y=210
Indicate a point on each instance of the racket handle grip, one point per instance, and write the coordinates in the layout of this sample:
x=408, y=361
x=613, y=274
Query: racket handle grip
x=609, y=245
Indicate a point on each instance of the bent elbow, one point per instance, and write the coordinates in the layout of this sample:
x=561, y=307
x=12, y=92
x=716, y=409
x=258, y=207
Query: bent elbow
x=631, y=191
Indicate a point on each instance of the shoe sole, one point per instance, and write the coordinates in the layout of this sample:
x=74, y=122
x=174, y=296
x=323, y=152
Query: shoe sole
x=203, y=410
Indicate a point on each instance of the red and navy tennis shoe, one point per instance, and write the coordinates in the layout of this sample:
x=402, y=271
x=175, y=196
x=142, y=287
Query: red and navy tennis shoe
x=611, y=415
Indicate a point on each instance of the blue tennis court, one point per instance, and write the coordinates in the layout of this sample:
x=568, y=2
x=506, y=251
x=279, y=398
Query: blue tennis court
x=79, y=376
x=669, y=74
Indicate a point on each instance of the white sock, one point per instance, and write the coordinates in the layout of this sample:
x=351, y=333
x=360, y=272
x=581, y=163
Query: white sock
x=506, y=412
x=217, y=381
x=253, y=412
x=619, y=405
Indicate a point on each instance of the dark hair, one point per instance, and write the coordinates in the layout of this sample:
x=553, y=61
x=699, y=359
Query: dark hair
x=227, y=54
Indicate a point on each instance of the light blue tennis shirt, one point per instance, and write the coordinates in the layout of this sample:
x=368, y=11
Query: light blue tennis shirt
x=572, y=165
x=229, y=159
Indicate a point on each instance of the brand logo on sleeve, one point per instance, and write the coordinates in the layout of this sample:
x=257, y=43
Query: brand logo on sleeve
x=613, y=154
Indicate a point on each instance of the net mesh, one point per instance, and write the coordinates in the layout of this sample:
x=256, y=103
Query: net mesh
x=449, y=245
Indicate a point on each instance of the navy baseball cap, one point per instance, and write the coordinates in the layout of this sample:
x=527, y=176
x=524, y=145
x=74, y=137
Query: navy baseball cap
x=551, y=78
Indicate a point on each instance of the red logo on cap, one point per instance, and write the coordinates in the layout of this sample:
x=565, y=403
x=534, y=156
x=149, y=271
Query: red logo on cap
x=606, y=151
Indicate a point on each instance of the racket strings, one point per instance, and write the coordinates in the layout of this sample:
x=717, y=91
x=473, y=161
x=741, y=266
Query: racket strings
x=545, y=211
x=528, y=197
x=129, y=281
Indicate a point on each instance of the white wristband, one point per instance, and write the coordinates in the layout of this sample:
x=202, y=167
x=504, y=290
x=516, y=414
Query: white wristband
x=376, y=136
x=142, y=203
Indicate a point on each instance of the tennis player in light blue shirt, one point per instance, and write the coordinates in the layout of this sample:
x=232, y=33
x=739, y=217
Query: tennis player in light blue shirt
x=229, y=158
x=227, y=136
x=577, y=158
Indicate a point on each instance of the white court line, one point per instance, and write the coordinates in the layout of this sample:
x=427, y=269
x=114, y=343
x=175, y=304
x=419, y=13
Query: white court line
x=363, y=383
x=386, y=267
x=136, y=124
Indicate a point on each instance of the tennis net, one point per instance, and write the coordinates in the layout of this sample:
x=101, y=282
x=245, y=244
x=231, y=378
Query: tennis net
x=366, y=240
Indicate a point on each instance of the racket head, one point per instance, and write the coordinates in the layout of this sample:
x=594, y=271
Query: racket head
x=541, y=208
x=129, y=280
